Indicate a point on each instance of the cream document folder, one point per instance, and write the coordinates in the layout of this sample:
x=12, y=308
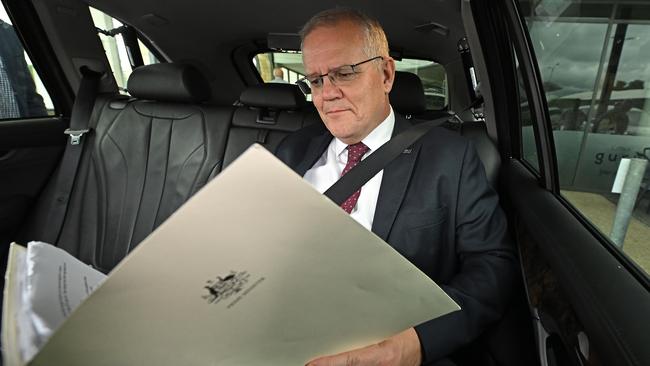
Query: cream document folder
x=257, y=268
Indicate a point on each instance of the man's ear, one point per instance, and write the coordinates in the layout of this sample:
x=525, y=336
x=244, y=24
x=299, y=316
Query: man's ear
x=389, y=74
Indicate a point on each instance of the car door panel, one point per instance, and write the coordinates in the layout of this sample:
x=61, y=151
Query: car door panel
x=29, y=153
x=587, y=299
x=574, y=281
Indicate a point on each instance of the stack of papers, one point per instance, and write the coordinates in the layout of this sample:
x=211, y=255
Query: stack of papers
x=256, y=268
x=44, y=286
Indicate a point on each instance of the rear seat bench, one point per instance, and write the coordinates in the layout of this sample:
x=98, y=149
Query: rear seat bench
x=144, y=158
x=149, y=153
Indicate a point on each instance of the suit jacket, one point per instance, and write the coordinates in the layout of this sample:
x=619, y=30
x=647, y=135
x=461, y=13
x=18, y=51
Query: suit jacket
x=30, y=103
x=437, y=209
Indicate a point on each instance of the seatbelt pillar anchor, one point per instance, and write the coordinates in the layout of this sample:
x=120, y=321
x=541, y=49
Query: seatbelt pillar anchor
x=75, y=135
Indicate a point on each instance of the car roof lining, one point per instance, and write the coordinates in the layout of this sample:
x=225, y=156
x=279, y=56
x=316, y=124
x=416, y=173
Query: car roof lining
x=224, y=28
x=169, y=24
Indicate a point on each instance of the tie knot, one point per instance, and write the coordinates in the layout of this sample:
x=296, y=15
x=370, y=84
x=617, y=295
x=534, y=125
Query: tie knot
x=356, y=151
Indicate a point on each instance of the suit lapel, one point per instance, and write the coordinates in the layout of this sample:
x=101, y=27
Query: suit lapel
x=315, y=149
x=394, y=183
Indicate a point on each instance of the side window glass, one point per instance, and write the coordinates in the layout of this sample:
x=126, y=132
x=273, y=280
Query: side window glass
x=280, y=67
x=434, y=80
x=593, y=60
x=22, y=94
x=528, y=142
x=286, y=67
x=108, y=30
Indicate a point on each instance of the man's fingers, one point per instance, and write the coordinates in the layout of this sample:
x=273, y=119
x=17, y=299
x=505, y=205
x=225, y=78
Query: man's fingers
x=402, y=349
x=351, y=358
x=344, y=359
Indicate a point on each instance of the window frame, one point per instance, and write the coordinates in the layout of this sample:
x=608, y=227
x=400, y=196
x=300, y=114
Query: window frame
x=540, y=115
x=539, y=170
x=129, y=31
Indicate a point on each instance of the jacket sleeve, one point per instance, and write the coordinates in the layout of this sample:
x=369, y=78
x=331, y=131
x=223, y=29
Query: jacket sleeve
x=34, y=105
x=486, y=263
x=30, y=102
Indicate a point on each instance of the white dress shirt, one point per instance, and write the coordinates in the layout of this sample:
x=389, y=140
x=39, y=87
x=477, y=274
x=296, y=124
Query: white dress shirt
x=327, y=170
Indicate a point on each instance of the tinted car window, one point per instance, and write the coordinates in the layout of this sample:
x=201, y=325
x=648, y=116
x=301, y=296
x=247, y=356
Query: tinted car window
x=116, y=51
x=22, y=93
x=593, y=61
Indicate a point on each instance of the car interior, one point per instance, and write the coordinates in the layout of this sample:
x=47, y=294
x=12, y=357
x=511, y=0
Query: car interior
x=201, y=96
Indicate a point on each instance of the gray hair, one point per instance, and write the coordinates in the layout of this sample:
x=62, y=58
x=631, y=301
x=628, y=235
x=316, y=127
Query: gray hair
x=375, y=42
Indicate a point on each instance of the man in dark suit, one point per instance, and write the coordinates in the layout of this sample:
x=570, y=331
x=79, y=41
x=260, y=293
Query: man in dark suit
x=433, y=203
x=19, y=97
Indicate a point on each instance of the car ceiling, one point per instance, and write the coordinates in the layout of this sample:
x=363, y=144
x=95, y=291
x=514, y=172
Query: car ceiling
x=172, y=25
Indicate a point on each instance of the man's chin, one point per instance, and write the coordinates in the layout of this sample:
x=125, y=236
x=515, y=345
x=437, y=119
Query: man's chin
x=345, y=136
x=338, y=126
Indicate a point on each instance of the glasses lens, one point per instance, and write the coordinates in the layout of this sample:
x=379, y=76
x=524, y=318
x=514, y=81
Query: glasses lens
x=315, y=82
x=343, y=74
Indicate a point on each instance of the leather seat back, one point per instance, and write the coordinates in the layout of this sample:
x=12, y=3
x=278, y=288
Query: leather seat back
x=487, y=150
x=407, y=95
x=268, y=113
x=146, y=157
x=407, y=98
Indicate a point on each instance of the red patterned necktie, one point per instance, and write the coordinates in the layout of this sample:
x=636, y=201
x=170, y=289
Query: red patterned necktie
x=355, y=153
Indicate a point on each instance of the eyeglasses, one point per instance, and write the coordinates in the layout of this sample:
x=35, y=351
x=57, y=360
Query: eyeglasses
x=340, y=76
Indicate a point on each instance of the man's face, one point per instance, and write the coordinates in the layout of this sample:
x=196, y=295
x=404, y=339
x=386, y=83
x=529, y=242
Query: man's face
x=352, y=111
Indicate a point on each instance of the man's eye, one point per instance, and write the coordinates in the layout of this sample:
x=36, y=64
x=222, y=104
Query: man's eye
x=344, y=75
x=315, y=82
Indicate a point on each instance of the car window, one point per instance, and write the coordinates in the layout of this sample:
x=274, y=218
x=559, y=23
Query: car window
x=528, y=132
x=287, y=67
x=115, y=48
x=22, y=93
x=594, y=63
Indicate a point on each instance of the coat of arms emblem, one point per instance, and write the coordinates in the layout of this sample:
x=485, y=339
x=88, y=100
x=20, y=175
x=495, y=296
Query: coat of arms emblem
x=222, y=288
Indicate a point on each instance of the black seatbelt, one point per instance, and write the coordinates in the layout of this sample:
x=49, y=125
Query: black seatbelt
x=369, y=167
x=81, y=111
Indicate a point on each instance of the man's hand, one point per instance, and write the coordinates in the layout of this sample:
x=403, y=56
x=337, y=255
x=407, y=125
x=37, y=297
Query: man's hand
x=402, y=349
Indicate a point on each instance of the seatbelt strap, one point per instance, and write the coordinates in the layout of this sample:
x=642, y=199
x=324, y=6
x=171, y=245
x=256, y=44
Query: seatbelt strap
x=79, y=127
x=373, y=164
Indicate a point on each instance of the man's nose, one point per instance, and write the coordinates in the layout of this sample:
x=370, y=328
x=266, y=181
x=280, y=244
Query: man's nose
x=330, y=90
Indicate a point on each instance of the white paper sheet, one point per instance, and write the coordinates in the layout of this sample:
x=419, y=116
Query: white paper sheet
x=256, y=269
x=44, y=285
x=57, y=284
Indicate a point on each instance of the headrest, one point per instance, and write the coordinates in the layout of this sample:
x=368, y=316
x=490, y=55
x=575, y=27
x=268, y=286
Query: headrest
x=407, y=95
x=169, y=82
x=273, y=95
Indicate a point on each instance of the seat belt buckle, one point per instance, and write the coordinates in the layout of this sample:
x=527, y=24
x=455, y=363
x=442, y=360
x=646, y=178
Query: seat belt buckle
x=75, y=135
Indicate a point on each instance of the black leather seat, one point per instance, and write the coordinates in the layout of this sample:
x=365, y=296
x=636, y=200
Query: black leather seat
x=487, y=150
x=146, y=156
x=407, y=95
x=407, y=98
x=267, y=114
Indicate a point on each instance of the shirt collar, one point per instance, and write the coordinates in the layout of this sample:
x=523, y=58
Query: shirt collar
x=379, y=136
